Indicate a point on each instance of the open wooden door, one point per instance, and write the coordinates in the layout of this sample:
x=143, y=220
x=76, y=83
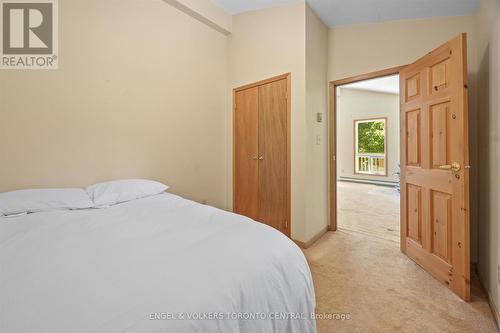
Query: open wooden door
x=434, y=165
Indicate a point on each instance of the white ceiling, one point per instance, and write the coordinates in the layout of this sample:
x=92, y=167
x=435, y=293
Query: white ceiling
x=241, y=6
x=345, y=12
x=388, y=84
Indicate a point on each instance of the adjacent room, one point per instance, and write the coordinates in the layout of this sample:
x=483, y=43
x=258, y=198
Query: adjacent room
x=368, y=184
x=277, y=166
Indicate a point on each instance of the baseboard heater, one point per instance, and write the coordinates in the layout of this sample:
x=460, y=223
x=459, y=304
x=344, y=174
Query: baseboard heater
x=368, y=181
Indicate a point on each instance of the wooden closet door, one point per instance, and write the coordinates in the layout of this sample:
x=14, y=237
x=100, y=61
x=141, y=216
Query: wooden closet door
x=246, y=170
x=273, y=155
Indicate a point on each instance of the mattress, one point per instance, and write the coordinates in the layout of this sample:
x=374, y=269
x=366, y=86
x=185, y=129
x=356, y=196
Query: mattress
x=158, y=264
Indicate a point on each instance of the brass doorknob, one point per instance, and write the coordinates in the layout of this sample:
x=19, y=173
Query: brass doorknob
x=454, y=167
x=255, y=158
x=261, y=157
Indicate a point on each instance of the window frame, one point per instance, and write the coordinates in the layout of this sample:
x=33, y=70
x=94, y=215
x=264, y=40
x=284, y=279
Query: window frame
x=385, y=154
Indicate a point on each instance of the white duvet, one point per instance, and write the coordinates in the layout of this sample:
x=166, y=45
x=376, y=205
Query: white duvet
x=159, y=264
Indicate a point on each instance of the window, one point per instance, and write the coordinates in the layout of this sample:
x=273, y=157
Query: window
x=370, y=146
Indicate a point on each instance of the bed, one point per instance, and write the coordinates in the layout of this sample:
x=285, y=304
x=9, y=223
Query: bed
x=156, y=264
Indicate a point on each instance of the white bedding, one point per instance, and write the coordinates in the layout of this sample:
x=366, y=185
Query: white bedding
x=135, y=266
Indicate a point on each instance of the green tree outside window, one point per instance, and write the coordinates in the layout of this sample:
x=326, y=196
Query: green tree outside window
x=371, y=137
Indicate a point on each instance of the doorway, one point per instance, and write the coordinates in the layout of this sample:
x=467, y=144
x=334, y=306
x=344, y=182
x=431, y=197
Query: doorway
x=367, y=159
x=435, y=215
x=360, y=150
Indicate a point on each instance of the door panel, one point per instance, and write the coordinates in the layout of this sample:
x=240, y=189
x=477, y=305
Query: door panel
x=246, y=170
x=413, y=146
x=412, y=87
x=440, y=71
x=273, y=155
x=440, y=76
x=414, y=213
x=435, y=202
x=441, y=225
x=439, y=114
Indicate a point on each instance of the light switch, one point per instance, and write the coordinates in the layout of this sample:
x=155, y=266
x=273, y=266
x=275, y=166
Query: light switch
x=319, y=117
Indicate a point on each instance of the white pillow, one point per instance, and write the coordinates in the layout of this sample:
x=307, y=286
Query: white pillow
x=39, y=200
x=114, y=192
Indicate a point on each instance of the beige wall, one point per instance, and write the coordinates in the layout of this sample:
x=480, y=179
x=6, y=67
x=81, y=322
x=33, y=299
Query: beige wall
x=317, y=133
x=366, y=48
x=354, y=104
x=488, y=20
x=140, y=92
x=263, y=44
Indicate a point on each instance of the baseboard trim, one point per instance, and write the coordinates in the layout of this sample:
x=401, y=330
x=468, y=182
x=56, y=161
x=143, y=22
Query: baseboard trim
x=493, y=306
x=494, y=310
x=310, y=242
x=300, y=244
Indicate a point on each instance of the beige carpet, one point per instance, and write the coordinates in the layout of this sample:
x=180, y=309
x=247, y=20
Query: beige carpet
x=359, y=270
